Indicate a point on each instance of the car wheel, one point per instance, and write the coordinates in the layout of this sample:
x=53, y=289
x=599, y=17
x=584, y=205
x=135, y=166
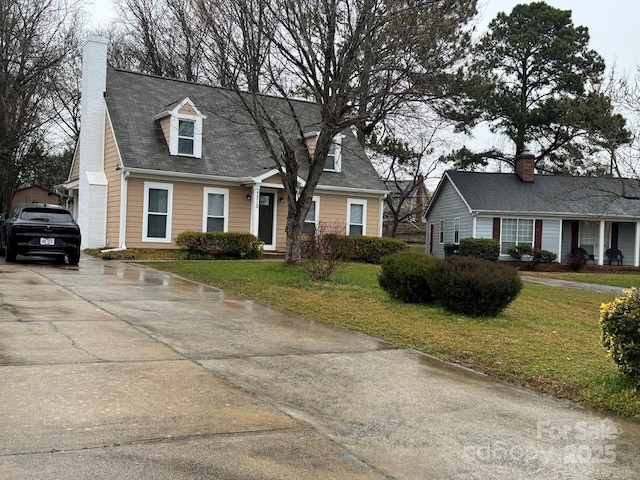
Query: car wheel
x=9, y=255
x=74, y=258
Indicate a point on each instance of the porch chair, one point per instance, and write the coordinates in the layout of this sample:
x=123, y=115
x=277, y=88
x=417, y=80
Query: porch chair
x=615, y=255
x=582, y=253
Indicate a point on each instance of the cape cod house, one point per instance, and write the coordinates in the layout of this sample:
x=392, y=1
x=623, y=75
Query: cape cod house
x=157, y=157
x=558, y=213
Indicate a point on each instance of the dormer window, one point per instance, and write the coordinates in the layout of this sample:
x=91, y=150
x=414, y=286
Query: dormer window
x=181, y=124
x=333, y=162
x=186, y=137
x=334, y=157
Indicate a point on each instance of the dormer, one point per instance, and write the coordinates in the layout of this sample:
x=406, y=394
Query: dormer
x=181, y=124
x=333, y=163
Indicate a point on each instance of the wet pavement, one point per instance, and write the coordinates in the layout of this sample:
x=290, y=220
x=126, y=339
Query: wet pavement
x=113, y=370
x=556, y=282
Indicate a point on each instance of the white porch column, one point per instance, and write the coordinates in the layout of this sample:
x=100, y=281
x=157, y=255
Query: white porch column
x=559, y=258
x=255, y=205
x=636, y=250
x=601, y=244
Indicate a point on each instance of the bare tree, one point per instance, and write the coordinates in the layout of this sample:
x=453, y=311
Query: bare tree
x=404, y=155
x=36, y=38
x=357, y=60
x=159, y=37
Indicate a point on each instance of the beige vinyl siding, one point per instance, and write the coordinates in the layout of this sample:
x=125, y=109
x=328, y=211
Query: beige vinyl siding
x=75, y=168
x=333, y=211
x=165, y=124
x=187, y=215
x=114, y=183
x=187, y=110
x=311, y=144
x=273, y=179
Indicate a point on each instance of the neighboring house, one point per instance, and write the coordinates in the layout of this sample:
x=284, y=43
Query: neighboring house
x=411, y=213
x=157, y=157
x=35, y=194
x=555, y=213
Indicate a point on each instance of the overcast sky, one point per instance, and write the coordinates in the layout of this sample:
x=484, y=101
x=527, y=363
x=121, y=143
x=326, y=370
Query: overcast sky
x=613, y=24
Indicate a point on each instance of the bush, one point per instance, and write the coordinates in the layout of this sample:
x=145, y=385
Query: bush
x=220, y=244
x=472, y=286
x=620, y=325
x=484, y=248
x=323, y=253
x=536, y=255
x=360, y=248
x=404, y=276
x=373, y=249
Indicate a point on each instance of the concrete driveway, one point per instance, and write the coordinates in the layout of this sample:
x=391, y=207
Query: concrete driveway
x=117, y=371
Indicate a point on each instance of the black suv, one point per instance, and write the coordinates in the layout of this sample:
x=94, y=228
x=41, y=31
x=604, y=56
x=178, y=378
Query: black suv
x=42, y=230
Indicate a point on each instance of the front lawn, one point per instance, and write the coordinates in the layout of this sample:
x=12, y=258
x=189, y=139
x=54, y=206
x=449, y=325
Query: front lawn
x=547, y=340
x=627, y=280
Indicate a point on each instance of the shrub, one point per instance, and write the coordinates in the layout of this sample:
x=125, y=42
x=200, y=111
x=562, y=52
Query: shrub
x=403, y=275
x=323, y=253
x=536, y=255
x=521, y=250
x=484, y=248
x=472, y=286
x=373, y=249
x=620, y=325
x=576, y=261
x=360, y=248
x=220, y=244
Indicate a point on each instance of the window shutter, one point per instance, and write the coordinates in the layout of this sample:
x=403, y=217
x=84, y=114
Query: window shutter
x=575, y=230
x=496, y=228
x=537, y=242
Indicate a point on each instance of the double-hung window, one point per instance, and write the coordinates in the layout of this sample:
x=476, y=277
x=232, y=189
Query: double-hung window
x=186, y=137
x=334, y=157
x=311, y=220
x=515, y=231
x=441, y=233
x=356, y=217
x=158, y=204
x=456, y=230
x=216, y=210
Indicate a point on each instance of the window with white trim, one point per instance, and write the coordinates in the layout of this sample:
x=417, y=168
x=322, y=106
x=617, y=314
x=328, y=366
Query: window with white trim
x=441, y=237
x=186, y=137
x=156, y=219
x=333, y=162
x=356, y=217
x=515, y=231
x=215, y=210
x=310, y=224
x=456, y=230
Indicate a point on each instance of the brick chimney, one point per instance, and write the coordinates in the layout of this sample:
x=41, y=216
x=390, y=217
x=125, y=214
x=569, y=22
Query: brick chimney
x=92, y=195
x=524, y=166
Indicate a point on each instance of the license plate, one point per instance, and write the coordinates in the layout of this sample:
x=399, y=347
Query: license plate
x=47, y=241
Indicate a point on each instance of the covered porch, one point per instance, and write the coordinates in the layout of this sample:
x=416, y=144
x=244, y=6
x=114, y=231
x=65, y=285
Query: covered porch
x=600, y=237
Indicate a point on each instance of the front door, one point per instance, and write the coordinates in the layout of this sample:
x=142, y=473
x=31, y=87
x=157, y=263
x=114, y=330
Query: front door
x=265, y=218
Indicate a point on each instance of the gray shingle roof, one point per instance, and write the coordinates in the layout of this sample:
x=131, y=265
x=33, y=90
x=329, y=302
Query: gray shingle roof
x=589, y=196
x=231, y=144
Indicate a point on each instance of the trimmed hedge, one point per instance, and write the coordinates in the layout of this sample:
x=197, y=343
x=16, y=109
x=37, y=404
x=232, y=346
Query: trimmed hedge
x=484, y=248
x=360, y=248
x=620, y=325
x=220, y=244
x=472, y=286
x=404, y=276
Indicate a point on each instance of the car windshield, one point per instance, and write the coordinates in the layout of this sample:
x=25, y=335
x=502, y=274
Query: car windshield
x=49, y=216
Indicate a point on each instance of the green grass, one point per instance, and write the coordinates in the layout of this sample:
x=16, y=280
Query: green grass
x=548, y=339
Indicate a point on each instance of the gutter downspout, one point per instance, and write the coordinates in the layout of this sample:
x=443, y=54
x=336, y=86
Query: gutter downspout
x=124, y=189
